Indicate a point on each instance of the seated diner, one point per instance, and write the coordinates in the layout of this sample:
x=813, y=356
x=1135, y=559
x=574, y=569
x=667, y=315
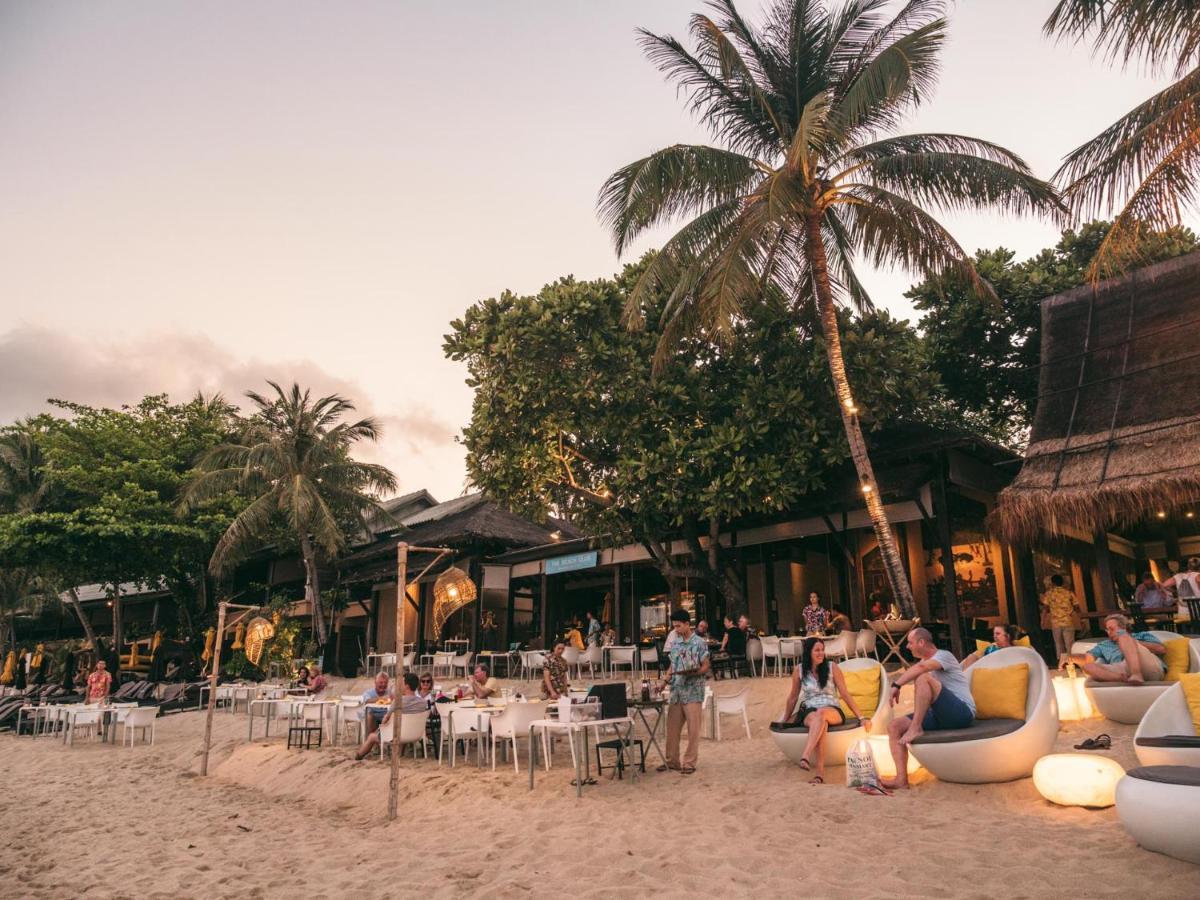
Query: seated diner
x=481, y=683
x=409, y=703
x=1124, y=656
x=1002, y=636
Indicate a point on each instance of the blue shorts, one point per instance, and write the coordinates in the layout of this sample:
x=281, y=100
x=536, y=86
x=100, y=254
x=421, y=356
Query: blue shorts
x=377, y=713
x=947, y=712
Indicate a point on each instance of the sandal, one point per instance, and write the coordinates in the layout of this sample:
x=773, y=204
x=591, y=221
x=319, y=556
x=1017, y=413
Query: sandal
x=1100, y=742
x=816, y=779
x=688, y=770
x=805, y=764
x=665, y=768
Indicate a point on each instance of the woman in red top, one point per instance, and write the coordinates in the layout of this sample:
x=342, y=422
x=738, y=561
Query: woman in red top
x=98, y=683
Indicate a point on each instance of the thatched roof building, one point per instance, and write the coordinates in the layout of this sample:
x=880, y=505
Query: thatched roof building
x=1116, y=436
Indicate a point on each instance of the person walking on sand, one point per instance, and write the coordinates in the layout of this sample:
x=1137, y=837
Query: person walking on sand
x=943, y=700
x=99, y=683
x=687, y=677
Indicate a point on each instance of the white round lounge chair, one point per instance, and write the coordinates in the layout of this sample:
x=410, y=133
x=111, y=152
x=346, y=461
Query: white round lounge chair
x=792, y=739
x=1160, y=808
x=1166, y=735
x=992, y=750
x=1127, y=703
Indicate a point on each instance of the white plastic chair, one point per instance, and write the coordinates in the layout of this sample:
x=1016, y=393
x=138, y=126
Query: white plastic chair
x=514, y=723
x=412, y=731
x=593, y=658
x=464, y=723
x=532, y=662
x=841, y=646
x=350, y=715
x=571, y=657
x=410, y=659
x=135, y=720
x=622, y=656
x=87, y=719
x=461, y=661
x=443, y=663
x=770, y=651
x=754, y=656
x=733, y=705
x=790, y=650
x=648, y=657
x=865, y=644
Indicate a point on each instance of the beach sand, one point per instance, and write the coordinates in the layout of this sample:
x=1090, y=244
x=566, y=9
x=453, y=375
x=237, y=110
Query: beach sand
x=104, y=821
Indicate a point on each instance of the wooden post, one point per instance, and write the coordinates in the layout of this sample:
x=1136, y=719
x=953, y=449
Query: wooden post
x=941, y=512
x=218, y=639
x=401, y=599
x=1104, y=574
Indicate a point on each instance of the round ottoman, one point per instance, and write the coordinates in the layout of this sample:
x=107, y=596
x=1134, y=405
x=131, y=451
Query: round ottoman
x=1160, y=808
x=1077, y=779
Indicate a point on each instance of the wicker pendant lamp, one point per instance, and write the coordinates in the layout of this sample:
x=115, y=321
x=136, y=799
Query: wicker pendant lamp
x=453, y=590
x=258, y=632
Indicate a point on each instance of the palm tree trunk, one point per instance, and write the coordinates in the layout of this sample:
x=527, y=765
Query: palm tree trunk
x=83, y=619
x=827, y=311
x=312, y=590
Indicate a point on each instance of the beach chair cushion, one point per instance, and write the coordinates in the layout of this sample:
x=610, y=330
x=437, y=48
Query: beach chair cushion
x=1185, y=775
x=1173, y=741
x=1178, y=659
x=979, y=730
x=1191, y=694
x=1000, y=692
x=863, y=685
x=787, y=728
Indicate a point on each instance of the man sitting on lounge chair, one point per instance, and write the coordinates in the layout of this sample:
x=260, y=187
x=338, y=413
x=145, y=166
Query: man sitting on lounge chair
x=1126, y=657
x=943, y=700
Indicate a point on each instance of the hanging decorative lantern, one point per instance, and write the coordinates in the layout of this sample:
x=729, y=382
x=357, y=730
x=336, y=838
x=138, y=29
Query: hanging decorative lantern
x=451, y=592
x=239, y=634
x=208, y=644
x=258, y=632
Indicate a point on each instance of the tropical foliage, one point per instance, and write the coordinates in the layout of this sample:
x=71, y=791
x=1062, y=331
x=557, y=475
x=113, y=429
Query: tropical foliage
x=567, y=415
x=808, y=178
x=1143, y=167
x=291, y=463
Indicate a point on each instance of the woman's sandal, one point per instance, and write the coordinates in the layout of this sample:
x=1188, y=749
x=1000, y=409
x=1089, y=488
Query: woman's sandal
x=1100, y=742
x=816, y=779
x=805, y=764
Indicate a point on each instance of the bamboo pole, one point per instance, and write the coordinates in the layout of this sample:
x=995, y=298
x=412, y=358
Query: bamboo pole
x=212, y=684
x=401, y=591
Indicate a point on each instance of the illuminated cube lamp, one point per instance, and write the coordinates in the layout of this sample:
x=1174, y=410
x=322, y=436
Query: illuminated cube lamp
x=1077, y=779
x=1073, y=701
x=884, y=764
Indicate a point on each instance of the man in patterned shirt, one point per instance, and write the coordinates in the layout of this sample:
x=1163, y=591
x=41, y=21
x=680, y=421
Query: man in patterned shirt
x=555, y=680
x=1059, y=604
x=687, y=677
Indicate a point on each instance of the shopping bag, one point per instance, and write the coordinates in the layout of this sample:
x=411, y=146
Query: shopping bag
x=860, y=766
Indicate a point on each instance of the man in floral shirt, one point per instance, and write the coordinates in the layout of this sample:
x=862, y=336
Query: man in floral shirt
x=98, y=683
x=687, y=677
x=555, y=681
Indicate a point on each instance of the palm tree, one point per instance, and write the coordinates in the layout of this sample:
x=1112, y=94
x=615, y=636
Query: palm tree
x=292, y=462
x=1141, y=169
x=23, y=489
x=809, y=178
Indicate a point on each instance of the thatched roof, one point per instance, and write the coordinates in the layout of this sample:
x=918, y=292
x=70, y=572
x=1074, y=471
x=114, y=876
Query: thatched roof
x=1116, y=435
x=472, y=525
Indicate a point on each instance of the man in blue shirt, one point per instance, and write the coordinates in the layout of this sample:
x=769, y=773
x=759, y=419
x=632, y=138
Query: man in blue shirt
x=1132, y=658
x=688, y=677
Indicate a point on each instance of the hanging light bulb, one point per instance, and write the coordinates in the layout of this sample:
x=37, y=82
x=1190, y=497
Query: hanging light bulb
x=866, y=487
x=1161, y=514
x=849, y=404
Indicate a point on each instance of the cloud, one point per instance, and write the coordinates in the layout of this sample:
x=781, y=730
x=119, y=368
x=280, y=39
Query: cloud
x=37, y=364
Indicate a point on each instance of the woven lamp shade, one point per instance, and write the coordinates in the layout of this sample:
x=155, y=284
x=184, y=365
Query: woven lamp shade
x=451, y=592
x=258, y=632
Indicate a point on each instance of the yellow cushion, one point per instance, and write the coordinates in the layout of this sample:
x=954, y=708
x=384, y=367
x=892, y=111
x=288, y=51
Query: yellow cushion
x=1000, y=692
x=1177, y=659
x=981, y=646
x=863, y=686
x=1191, y=693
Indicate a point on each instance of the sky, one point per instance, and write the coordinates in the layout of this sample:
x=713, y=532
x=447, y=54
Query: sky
x=202, y=196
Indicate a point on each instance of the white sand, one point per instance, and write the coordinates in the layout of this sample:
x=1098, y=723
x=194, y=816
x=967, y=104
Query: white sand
x=105, y=821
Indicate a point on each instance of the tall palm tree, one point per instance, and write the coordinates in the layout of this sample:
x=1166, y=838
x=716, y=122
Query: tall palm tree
x=1140, y=170
x=809, y=177
x=293, y=464
x=23, y=489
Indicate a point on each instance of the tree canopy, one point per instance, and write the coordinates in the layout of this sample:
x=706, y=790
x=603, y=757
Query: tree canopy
x=567, y=416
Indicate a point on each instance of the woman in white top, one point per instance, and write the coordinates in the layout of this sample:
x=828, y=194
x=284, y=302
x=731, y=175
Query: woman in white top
x=1186, y=584
x=817, y=683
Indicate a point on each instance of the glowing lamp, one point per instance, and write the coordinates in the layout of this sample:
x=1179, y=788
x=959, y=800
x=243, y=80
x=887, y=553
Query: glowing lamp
x=884, y=764
x=451, y=592
x=1076, y=779
x=1073, y=701
x=866, y=487
x=1161, y=514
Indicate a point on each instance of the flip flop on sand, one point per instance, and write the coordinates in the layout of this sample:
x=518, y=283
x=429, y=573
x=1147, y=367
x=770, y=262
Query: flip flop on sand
x=665, y=768
x=1100, y=742
x=804, y=764
x=816, y=779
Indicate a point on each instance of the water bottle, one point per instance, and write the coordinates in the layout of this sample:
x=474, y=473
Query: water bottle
x=645, y=690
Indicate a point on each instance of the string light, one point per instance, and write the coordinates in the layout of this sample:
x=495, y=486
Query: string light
x=866, y=487
x=1161, y=514
x=849, y=404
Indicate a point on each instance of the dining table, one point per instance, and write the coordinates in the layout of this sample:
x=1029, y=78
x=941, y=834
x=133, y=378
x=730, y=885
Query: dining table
x=577, y=732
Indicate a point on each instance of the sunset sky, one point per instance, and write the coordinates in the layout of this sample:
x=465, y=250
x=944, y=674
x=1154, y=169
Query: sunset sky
x=206, y=195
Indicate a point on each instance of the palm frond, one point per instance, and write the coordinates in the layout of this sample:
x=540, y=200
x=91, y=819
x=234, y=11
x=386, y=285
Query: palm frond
x=676, y=181
x=1161, y=32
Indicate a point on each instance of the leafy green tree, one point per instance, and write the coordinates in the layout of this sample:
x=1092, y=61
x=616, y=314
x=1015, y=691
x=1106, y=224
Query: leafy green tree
x=112, y=479
x=987, y=354
x=568, y=417
x=291, y=462
x=810, y=176
x=1144, y=166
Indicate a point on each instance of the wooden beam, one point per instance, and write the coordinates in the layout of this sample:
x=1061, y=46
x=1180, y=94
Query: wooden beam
x=941, y=511
x=1107, y=598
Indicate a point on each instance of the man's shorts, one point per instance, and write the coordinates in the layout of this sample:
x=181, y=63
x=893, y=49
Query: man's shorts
x=947, y=712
